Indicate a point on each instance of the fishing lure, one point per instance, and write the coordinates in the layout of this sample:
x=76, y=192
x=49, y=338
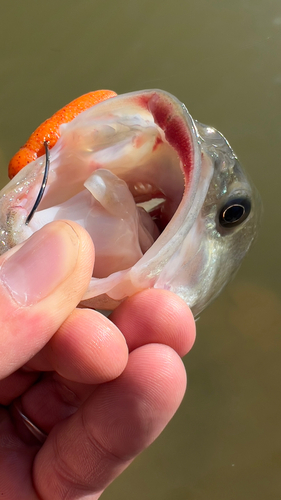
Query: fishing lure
x=49, y=130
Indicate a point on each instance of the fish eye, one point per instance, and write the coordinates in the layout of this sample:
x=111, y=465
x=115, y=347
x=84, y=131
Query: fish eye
x=234, y=212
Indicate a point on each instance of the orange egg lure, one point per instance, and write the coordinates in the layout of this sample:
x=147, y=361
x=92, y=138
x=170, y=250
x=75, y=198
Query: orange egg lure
x=49, y=132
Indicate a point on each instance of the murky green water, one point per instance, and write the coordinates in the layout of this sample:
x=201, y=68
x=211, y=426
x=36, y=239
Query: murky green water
x=222, y=58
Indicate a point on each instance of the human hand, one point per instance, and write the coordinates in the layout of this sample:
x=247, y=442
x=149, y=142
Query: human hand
x=68, y=370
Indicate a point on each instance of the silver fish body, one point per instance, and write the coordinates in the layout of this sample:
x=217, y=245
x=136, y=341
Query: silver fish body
x=163, y=197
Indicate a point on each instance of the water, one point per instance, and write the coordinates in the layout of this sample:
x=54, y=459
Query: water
x=222, y=58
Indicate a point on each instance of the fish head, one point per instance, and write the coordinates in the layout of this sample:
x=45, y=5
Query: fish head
x=153, y=188
x=225, y=227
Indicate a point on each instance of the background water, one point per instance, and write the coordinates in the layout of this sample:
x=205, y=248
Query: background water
x=222, y=58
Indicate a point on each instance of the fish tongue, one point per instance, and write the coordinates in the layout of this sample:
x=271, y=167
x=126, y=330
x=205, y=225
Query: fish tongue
x=119, y=234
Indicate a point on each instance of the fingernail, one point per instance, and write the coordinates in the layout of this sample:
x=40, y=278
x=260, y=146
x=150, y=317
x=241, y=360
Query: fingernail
x=41, y=264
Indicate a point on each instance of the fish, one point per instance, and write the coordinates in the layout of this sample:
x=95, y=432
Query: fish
x=163, y=197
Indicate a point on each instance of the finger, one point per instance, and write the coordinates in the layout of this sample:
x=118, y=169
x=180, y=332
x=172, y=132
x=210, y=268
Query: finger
x=87, y=348
x=41, y=282
x=16, y=384
x=88, y=450
x=53, y=399
x=139, y=323
x=16, y=460
x=156, y=316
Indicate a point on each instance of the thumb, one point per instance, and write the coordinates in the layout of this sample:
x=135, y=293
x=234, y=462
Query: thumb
x=41, y=282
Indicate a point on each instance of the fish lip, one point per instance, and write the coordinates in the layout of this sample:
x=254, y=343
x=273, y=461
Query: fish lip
x=164, y=108
x=182, y=135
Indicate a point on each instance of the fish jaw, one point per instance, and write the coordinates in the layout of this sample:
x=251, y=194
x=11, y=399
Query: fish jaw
x=16, y=202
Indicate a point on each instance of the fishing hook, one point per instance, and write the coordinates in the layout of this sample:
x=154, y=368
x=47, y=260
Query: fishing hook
x=43, y=185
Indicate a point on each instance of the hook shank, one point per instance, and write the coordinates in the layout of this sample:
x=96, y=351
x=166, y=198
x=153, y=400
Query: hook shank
x=43, y=185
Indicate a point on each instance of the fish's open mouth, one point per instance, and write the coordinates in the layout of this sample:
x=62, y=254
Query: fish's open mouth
x=124, y=216
x=136, y=168
x=127, y=171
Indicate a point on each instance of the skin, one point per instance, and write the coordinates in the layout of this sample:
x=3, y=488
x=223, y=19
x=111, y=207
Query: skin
x=49, y=132
x=103, y=389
